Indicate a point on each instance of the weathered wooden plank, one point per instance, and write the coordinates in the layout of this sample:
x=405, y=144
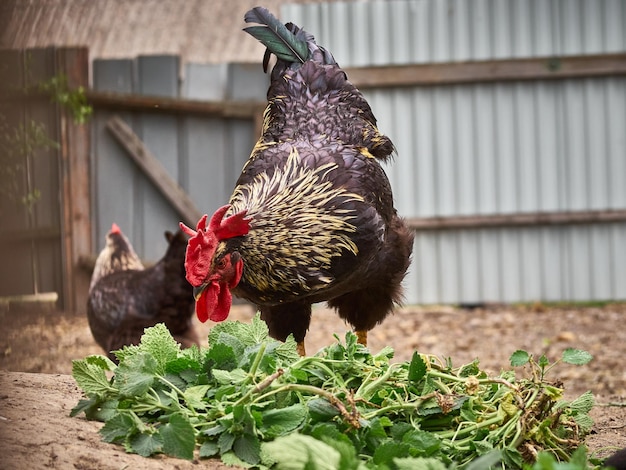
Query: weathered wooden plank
x=154, y=170
x=488, y=71
x=512, y=220
x=128, y=102
x=75, y=180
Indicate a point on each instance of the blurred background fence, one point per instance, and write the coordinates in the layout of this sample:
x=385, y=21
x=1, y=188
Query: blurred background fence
x=509, y=119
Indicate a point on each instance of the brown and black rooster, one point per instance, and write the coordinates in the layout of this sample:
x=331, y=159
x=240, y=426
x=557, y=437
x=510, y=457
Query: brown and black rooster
x=125, y=301
x=311, y=217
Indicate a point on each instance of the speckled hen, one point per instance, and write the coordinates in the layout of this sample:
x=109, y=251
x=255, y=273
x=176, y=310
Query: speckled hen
x=311, y=217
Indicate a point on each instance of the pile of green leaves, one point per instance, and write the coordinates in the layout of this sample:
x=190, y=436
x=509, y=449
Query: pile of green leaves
x=254, y=402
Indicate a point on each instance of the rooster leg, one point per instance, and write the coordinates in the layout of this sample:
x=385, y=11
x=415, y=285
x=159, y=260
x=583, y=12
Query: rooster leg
x=285, y=319
x=361, y=336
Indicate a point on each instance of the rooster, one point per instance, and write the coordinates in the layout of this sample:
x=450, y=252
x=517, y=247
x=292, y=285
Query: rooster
x=311, y=217
x=117, y=255
x=122, y=303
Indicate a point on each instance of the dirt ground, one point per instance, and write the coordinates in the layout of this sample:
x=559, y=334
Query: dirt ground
x=37, y=346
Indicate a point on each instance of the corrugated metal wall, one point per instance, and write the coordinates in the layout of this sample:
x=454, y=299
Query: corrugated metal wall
x=497, y=148
x=203, y=155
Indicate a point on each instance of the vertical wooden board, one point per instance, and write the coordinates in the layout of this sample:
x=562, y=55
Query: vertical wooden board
x=44, y=166
x=520, y=28
x=423, y=143
x=238, y=147
x=158, y=75
x=503, y=28
x=359, y=44
x=16, y=269
x=113, y=75
x=592, y=27
x=570, y=28
x=379, y=49
x=205, y=82
x=247, y=82
x=543, y=29
x=205, y=168
x=113, y=173
x=49, y=267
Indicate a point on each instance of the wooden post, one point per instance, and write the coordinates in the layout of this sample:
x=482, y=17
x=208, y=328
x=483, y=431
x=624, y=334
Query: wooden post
x=75, y=183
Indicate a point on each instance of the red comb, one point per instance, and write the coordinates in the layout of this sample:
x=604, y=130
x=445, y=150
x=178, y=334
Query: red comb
x=204, y=240
x=115, y=228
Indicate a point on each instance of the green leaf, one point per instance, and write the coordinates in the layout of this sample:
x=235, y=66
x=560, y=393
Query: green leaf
x=159, y=343
x=420, y=463
x=576, y=356
x=248, y=448
x=259, y=331
x=225, y=442
x=90, y=377
x=426, y=443
x=277, y=422
x=417, y=368
x=519, y=358
x=583, y=403
x=136, y=375
x=118, y=427
x=178, y=436
x=388, y=451
x=485, y=461
x=225, y=377
x=209, y=449
x=543, y=361
x=195, y=395
x=222, y=356
x=321, y=410
x=146, y=444
x=101, y=361
x=297, y=451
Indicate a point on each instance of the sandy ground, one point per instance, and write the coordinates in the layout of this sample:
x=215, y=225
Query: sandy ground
x=37, y=346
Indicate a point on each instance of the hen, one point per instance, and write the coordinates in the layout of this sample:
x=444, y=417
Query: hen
x=117, y=255
x=311, y=217
x=123, y=302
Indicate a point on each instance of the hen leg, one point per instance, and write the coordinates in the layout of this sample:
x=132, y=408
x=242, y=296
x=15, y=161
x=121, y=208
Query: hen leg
x=364, y=309
x=285, y=319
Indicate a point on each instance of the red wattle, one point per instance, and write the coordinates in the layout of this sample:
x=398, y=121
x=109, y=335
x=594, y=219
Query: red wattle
x=207, y=301
x=222, y=309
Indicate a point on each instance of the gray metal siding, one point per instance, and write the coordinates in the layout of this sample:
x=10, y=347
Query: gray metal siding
x=426, y=31
x=496, y=148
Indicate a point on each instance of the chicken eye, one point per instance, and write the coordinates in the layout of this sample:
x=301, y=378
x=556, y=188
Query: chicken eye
x=221, y=264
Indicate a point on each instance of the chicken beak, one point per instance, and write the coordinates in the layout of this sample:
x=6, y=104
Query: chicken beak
x=197, y=291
